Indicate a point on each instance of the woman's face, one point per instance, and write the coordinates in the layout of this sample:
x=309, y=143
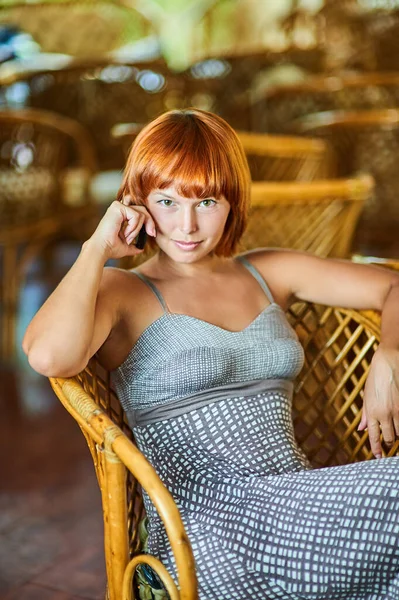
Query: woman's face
x=188, y=229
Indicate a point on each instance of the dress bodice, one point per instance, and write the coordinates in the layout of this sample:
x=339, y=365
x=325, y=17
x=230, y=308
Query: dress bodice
x=179, y=356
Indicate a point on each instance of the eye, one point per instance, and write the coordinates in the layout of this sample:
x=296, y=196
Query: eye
x=165, y=202
x=208, y=202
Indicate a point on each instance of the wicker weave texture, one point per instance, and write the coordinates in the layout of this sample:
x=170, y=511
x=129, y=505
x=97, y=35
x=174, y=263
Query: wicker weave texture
x=318, y=216
x=285, y=158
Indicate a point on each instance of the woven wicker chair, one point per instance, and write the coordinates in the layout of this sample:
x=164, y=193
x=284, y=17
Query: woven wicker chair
x=365, y=142
x=319, y=216
x=45, y=161
x=274, y=110
x=338, y=343
x=285, y=158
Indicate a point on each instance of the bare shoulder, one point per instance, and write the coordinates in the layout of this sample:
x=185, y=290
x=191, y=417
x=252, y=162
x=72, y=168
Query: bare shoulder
x=115, y=280
x=273, y=264
x=134, y=307
x=128, y=293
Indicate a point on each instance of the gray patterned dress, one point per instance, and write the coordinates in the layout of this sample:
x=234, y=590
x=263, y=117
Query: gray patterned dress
x=211, y=410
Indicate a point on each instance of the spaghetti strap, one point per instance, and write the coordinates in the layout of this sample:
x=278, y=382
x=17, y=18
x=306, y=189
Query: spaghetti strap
x=254, y=271
x=153, y=288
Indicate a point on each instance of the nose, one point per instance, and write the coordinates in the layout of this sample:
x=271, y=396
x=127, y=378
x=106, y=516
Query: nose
x=188, y=220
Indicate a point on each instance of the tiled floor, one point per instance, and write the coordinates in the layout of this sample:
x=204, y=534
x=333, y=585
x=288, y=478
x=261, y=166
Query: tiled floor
x=50, y=513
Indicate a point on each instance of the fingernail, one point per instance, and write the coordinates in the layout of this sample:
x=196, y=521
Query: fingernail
x=378, y=455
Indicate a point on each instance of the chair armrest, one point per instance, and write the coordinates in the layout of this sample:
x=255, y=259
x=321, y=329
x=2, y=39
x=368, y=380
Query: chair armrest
x=107, y=436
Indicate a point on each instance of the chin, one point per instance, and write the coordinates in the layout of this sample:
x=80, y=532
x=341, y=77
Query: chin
x=187, y=257
x=183, y=256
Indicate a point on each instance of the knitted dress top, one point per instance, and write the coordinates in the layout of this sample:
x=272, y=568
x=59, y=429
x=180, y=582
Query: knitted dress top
x=211, y=410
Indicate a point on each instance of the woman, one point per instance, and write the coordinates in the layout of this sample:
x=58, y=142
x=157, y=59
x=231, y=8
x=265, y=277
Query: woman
x=203, y=360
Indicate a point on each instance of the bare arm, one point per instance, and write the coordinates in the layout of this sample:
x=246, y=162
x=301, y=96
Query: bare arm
x=80, y=314
x=329, y=281
x=73, y=321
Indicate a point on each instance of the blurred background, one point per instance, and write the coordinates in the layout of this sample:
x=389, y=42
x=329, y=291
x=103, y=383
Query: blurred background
x=312, y=88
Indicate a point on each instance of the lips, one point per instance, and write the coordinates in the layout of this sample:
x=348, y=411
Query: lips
x=186, y=245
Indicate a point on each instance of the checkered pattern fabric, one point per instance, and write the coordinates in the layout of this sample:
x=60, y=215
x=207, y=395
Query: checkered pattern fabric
x=261, y=523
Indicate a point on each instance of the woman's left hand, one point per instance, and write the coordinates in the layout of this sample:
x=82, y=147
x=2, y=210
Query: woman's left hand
x=381, y=399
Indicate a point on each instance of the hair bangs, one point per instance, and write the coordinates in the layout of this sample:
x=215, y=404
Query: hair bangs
x=190, y=161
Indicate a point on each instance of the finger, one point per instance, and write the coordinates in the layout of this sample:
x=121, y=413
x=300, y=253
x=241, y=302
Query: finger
x=150, y=227
x=363, y=421
x=374, y=437
x=134, y=225
x=388, y=432
x=132, y=210
x=134, y=230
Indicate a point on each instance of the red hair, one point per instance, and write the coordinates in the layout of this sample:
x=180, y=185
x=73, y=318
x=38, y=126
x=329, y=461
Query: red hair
x=199, y=154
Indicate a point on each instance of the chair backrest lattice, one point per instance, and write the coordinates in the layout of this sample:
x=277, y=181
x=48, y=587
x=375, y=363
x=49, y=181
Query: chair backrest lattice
x=318, y=216
x=339, y=345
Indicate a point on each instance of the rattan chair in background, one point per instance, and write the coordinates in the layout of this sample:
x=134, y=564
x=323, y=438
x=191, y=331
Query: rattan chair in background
x=274, y=109
x=365, y=142
x=46, y=163
x=224, y=83
x=99, y=94
x=285, y=158
x=338, y=343
x=317, y=216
